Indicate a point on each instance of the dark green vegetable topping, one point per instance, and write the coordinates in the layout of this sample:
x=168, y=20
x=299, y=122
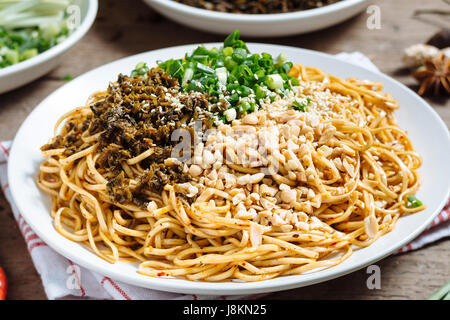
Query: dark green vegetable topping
x=134, y=116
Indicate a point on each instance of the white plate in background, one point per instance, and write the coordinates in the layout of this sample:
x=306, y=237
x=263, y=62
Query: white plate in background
x=259, y=25
x=17, y=75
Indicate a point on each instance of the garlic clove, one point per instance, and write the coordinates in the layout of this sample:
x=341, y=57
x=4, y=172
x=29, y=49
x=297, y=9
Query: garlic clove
x=415, y=55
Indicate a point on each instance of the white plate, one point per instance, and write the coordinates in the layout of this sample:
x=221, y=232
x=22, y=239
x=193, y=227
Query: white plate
x=259, y=25
x=427, y=131
x=26, y=71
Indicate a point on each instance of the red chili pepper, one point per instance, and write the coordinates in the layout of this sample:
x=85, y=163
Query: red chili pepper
x=3, y=284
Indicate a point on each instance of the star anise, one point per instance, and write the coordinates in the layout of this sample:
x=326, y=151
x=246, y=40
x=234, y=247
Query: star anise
x=434, y=75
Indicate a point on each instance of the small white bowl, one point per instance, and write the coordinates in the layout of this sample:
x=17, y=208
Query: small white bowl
x=259, y=25
x=26, y=71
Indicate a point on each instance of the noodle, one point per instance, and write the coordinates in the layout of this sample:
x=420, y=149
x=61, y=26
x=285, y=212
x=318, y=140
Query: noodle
x=339, y=178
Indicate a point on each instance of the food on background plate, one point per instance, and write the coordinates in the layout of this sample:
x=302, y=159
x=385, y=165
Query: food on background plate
x=257, y=6
x=230, y=165
x=30, y=27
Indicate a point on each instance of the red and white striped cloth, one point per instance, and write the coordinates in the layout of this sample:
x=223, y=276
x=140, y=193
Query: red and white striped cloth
x=59, y=274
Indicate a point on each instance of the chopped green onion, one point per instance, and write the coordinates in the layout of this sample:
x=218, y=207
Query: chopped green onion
x=201, y=58
x=244, y=105
x=233, y=99
x=230, y=114
x=194, y=85
x=246, y=72
x=140, y=69
x=228, y=51
x=238, y=57
x=274, y=81
x=67, y=77
x=300, y=106
x=203, y=68
x=260, y=92
x=188, y=73
x=28, y=28
x=413, y=202
x=11, y=56
x=234, y=74
x=176, y=68
x=29, y=53
x=231, y=39
x=244, y=91
x=222, y=75
x=294, y=81
x=280, y=59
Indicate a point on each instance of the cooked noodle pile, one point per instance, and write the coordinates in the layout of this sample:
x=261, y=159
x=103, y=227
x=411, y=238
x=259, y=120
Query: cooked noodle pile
x=278, y=192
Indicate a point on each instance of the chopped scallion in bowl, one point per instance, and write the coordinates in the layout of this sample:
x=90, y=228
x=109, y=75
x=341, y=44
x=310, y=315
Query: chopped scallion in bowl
x=30, y=27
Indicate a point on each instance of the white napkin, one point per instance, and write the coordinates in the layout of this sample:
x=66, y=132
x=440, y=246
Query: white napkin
x=61, y=278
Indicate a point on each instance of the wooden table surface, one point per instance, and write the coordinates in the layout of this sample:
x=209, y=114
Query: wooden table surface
x=125, y=28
